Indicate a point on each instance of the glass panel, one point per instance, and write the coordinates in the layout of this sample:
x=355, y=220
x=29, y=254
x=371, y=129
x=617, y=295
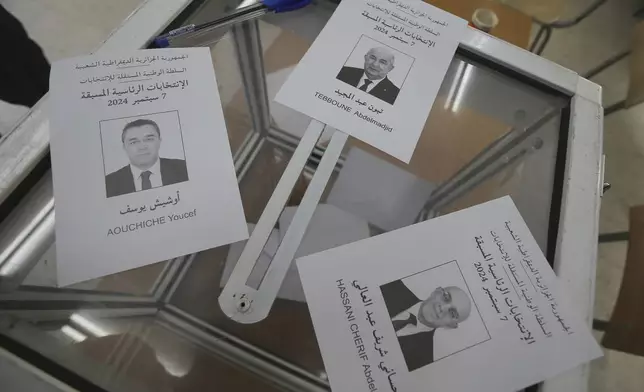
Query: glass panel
x=371, y=193
x=484, y=138
x=132, y=354
x=139, y=281
x=527, y=173
x=115, y=341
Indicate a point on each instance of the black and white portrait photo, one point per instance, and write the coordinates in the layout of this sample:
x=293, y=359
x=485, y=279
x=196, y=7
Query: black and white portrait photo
x=376, y=69
x=142, y=152
x=433, y=315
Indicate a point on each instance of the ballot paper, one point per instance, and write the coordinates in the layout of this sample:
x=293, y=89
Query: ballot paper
x=375, y=69
x=141, y=162
x=374, y=189
x=463, y=302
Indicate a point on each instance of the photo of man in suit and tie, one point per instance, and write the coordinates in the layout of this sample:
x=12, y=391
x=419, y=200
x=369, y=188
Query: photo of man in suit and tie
x=372, y=77
x=417, y=321
x=141, y=140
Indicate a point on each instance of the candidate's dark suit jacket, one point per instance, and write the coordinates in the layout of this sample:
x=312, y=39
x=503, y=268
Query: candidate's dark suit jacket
x=417, y=349
x=121, y=181
x=385, y=89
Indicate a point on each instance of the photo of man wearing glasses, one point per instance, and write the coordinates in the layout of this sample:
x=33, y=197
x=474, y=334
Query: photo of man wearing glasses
x=416, y=321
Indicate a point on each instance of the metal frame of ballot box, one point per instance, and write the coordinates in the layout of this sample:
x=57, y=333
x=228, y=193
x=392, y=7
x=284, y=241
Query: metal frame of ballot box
x=29, y=229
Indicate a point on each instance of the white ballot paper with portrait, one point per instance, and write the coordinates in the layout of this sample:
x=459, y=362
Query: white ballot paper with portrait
x=375, y=69
x=142, y=166
x=463, y=302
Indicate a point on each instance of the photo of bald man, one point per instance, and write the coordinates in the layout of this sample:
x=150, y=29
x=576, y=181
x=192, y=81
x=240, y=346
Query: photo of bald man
x=372, y=78
x=416, y=320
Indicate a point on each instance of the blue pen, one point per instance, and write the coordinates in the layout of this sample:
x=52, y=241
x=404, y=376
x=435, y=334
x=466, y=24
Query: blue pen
x=250, y=12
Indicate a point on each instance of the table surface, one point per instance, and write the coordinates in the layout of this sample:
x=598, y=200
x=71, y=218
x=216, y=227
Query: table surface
x=514, y=26
x=476, y=105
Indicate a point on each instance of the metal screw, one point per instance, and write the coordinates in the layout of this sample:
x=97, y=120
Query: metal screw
x=243, y=305
x=537, y=144
x=606, y=187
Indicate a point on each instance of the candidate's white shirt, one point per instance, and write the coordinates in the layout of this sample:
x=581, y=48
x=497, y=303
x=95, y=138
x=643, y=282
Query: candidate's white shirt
x=411, y=329
x=155, y=177
x=371, y=85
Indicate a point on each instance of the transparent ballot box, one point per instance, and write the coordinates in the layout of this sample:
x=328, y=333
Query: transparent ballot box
x=505, y=122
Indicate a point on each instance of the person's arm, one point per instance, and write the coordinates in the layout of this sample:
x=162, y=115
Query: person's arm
x=24, y=79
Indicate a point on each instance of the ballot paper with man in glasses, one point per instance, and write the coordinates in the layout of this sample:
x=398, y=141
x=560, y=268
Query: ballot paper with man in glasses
x=462, y=302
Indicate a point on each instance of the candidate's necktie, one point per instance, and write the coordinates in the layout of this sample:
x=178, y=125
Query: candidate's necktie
x=366, y=84
x=400, y=324
x=145, y=180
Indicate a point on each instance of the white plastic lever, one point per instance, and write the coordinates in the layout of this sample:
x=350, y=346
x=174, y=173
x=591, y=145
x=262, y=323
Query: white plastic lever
x=246, y=304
